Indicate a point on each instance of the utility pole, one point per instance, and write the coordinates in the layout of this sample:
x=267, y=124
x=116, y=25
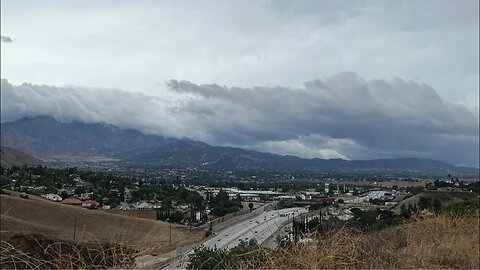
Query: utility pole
x=307, y=229
x=74, y=227
x=170, y=238
x=294, y=230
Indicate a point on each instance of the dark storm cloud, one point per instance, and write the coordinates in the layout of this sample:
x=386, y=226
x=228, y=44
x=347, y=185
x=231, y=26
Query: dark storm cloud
x=375, y=118
x=340, y=116
x=6, y=39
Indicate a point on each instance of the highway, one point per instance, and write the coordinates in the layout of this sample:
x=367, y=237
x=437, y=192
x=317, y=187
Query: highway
x=259, y=227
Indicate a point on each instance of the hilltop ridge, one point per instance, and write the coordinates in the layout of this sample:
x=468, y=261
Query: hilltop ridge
x=10, y=157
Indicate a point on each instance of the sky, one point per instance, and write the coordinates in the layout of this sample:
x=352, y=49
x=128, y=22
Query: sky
x=330, y=79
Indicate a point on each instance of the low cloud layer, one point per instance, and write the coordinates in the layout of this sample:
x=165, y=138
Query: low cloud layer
x=340, y=116
x=6, y=39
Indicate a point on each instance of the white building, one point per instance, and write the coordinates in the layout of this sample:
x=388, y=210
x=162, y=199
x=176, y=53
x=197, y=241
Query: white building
x=53, y=197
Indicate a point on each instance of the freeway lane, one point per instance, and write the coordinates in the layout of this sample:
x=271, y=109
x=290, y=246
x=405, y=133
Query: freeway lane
x=259, y=227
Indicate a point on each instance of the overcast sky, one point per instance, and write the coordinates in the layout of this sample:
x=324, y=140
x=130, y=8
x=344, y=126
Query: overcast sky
x=352, y=79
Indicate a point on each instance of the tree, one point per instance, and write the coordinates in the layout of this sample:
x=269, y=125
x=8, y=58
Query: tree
x=113, y=198
x=176, y=216
x=357, y=212
x=404, y=212
x=160, y=215
x=437, y=205
x=167, y=205
x=197, y=204
x=212, y=258
x=221, y=204
x=424, y=203
x=222, y=198
x=313, y=223
x=79, y=190
x=64, y=195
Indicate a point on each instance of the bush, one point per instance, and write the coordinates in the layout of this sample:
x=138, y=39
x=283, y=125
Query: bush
x=176, y=216
x=461, y=209
x=212, y=258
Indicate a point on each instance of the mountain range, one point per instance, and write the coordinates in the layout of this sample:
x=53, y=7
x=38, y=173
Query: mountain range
x=45, y=137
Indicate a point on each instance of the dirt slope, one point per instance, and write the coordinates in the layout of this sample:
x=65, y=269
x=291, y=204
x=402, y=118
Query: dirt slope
x=57, y=221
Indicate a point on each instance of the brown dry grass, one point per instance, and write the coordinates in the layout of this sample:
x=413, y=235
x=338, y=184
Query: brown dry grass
x=57, y=221
x=442, y=242
x=434, y=242
x=338, y=249
x=37, y=234
x=37, y=252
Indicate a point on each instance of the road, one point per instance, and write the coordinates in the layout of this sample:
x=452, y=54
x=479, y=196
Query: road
x=259, y=227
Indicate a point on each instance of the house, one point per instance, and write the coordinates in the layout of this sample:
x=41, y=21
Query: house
x=92, y=204
x=52, y=197
x=86, y=195
x=126, y=206
x=69, y=190
x=143, y=206
x=72, y=201
x=182, y=207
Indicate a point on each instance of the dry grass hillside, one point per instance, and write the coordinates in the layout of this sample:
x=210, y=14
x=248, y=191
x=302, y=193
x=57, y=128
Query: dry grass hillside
x=38, y=234
x=445, y=197
x=54, y=220
x=433, y=242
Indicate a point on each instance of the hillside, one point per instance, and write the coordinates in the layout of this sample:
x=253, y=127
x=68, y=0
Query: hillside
x=445, y=197
x=55, y=220
x=10, y=157
x=436, y=242
x=43, y=136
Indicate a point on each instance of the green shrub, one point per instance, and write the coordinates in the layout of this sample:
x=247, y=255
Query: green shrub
x=212, y=258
